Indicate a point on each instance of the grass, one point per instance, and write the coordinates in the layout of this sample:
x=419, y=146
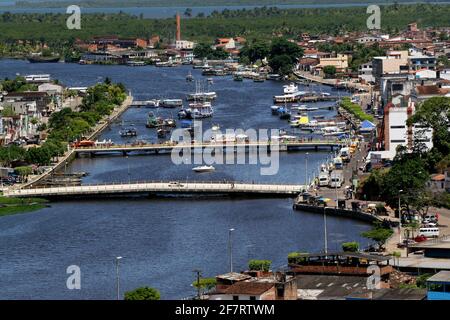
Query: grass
x=356, y=110
x=10, y=206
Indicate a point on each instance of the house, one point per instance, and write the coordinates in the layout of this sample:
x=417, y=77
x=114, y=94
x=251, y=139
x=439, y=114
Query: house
x=436, y=183
x=368, y=39
x=184, y=45
x=225, y=43
x=340, y=62
x=254, y=285
x=419, y=61
x=395, y=62
x=365, y=71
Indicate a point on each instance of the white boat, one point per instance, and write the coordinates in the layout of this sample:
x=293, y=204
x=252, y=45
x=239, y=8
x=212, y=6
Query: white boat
x=215, y=127
x=207, y=96
x=291, y=88
x=203, y=169
x=171, y=103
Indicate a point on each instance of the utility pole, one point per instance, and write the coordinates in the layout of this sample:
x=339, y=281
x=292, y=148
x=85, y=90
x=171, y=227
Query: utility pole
x=230, y=248
x=117, y=277
x=198, y=282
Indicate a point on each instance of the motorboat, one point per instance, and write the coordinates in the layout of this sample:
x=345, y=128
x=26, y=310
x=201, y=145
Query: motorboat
x=238, y=77
x=152, y=103
x=202, y=96
x=215, y=127
x=153, y=121
x=201, y=169
x=171, y=103
x=162, y=132
x=190, y=77
x=290, y=88
x=128, y=132
x=274, y=110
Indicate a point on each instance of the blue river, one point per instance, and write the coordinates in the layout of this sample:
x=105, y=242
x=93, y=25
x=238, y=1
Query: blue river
x=162, y=240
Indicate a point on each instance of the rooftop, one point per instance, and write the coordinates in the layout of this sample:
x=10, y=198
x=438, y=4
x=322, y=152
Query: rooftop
x=234, y=276
x=443, y=276
x=249, y=287
x=438, y=243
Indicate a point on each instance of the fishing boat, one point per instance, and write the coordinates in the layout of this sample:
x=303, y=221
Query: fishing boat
x=259, y=78
x=171, y=123
x=290, y=88
x=128, y=132
x=238, y=77
x=153, y=121
x=199, y=110
x=171, y=103
x=162, y=132
x=201, y=169
x=41, y=59
x=200, y=94
x=215, y=127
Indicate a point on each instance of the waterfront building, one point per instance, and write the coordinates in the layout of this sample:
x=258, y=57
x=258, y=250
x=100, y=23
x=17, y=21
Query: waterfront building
x=255, y=285
x=365, y=72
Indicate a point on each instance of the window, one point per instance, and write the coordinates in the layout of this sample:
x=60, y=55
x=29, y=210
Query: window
x=397, y=127
x=397, y=141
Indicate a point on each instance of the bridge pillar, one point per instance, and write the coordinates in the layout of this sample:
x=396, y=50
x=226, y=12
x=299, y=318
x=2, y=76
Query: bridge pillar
x=124, y=153
x=92, y=154
x=316, y=148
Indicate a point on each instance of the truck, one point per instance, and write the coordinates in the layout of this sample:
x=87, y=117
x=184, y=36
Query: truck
x=336, y=179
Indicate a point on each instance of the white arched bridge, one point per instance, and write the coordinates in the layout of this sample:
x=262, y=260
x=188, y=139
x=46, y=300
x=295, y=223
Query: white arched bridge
x=170, y=187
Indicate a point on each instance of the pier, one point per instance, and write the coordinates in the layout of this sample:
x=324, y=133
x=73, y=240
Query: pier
x=151, y=187
x=169, y=147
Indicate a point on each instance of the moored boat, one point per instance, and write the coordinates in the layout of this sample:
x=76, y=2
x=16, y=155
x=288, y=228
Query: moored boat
x=203, y=169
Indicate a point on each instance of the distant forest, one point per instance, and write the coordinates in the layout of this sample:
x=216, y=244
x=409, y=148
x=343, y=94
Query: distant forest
x=194, y=3
x=258, y=23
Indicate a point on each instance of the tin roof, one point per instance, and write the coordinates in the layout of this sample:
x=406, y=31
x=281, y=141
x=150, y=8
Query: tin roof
x=443, y=276
x=249, y=288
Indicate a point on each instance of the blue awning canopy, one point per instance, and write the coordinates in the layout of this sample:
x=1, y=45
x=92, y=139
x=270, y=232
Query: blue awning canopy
x=367, y=125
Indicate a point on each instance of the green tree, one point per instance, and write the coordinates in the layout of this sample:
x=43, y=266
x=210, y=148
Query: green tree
x=408, y=175
x=330, y=71
x=205, y=284
x=263, y=265
x=379, y=234
x=144, y=293
x=350, y=246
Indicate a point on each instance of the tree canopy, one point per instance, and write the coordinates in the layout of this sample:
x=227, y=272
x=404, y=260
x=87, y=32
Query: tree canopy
x=143, y=293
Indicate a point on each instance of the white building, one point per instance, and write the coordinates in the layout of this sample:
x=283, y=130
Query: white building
x=184, y=45
x=397, y=132
x=365, y=72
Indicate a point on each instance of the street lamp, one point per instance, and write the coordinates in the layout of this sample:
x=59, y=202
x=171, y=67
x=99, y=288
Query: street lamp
x=306, y=170
x=117, y=277
x=198, y=282
x=400, y=216
x=230, y=248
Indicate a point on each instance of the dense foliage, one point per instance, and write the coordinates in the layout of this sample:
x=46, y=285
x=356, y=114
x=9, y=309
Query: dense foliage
x=257, y=23
x=144, y=293
x=262, y=265
x=350, y=246
x=355, y=109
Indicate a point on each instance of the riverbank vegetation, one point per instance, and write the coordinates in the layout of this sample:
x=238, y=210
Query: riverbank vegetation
x=144, y=293
x=10, y=206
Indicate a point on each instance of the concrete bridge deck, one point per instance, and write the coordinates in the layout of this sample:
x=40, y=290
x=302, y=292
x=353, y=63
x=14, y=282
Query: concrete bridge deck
x=159, y=187
x=284, y=146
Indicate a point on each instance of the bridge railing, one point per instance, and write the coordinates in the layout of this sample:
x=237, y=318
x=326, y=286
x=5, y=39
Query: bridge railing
x=217, y=144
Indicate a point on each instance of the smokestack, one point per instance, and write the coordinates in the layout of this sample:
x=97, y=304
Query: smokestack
x=178, y=27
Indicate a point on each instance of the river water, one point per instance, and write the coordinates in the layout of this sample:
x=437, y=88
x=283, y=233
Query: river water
x=168, y=12
x=162, y=240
